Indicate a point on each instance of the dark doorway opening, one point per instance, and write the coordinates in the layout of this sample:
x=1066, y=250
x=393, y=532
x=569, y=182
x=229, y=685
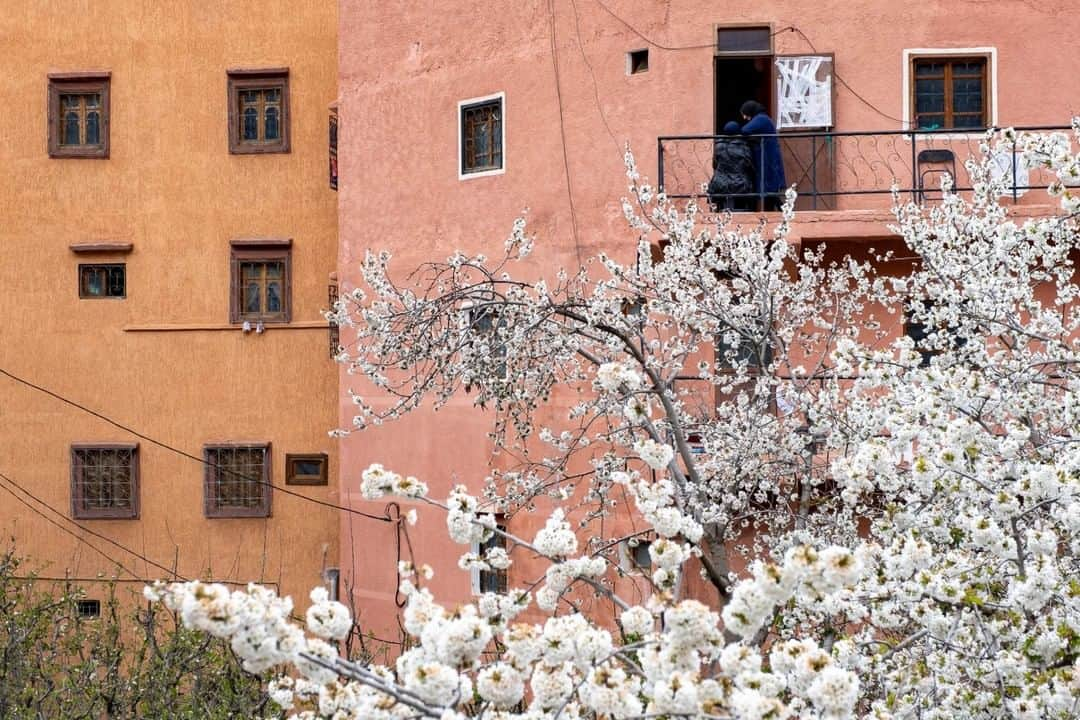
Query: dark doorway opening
x=739, y=79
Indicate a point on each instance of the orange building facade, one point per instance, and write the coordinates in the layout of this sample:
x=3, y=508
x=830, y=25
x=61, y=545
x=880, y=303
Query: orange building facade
x=169, y=235
x=451, y=128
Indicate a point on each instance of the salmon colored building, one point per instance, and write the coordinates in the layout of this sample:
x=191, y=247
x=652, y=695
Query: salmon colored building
x=168, y=235
x=450, y=126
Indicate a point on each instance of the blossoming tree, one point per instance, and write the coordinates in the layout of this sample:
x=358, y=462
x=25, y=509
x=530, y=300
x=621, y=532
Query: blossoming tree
x=907, y=513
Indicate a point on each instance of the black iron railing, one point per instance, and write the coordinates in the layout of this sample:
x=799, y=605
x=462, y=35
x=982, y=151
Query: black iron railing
x=839, y=170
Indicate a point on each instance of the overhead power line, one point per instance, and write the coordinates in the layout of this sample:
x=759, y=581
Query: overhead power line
x=183, y=453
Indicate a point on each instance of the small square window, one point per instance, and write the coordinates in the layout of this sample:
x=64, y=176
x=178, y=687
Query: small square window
x=79, y=115
x=87, y=609
x=237, y=480
x=102, y=281
x=261, y=281
x=482, y=135
x=259, y=111
x=104, y=481
x=637, y=61
x=305, y=469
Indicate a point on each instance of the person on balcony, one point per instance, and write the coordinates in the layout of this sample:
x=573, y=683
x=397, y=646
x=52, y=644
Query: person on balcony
x=732, y=183
x=765, y=147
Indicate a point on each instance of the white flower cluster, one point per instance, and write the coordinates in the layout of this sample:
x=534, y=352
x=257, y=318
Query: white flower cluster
x=617, y=376
x=376, y=481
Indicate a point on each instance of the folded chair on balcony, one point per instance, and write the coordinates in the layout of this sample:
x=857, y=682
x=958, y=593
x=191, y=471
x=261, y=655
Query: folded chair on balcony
x=931, y=166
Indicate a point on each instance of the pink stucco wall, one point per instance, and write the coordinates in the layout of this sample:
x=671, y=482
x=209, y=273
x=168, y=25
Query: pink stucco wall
x=403, y=71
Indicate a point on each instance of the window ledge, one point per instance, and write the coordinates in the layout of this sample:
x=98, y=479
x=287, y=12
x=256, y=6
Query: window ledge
x=101, y=247
x=192, y=327
x=261, y=242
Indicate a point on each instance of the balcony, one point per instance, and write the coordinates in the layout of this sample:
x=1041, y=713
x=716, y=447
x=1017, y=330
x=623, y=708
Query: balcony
x=857, y=170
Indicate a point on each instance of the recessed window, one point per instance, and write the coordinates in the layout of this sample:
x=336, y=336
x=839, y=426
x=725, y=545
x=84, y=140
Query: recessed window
x=486, y=338
x=259, y=111
x=79, y=115
x=949, y=93
x=482, y=135
x=87, y=609
x=104, y=481
x=493, y=580
x=261, y=281
x=637, y=61
x=237, y=480
x=305, y=469
x=102, y=281
x=634, y=555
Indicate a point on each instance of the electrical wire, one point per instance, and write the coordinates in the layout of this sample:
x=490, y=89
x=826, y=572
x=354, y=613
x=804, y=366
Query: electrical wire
x=562, y=132
x=114, y=543
x=182, y=453
x=134, y=576
x=792, y=28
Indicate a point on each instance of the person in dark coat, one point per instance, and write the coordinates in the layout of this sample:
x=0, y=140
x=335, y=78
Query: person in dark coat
x=768, y=164
x=733, y=171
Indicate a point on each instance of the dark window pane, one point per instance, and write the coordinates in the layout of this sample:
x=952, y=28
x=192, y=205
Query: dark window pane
x=252, y=298
x=69, y=102
x=924, y=69
x=930, y=122
x=251, y=124
x=273, y=297
x=968, y=121
x=273, y=131
x=249, y=96
x=929, y=95
x=308, y=467
x=71, y=129
x=273, y=95
x=92, y=101
x=93, y=133
x=753, y=39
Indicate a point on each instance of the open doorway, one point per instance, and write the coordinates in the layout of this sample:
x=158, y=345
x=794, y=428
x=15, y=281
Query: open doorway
x=739, y=79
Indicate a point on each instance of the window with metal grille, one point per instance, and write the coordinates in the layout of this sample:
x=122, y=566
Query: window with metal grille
x=88, y=608
x=104, y=481
x=482, y=136
x=261, y=281
x=79, y=115
x=237, y=480
x=102, y=281
x=259, y=111
x=493, y=580
x=949, y=93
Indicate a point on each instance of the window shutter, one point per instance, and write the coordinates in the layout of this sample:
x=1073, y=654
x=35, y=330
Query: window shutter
x=804, y=91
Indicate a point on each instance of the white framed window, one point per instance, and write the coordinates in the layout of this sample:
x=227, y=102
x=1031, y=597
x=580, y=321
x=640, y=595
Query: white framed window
x=950, y=88
x=482, y=136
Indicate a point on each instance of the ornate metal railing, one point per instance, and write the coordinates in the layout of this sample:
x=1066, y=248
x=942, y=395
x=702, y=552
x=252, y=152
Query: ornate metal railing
x=846, y=170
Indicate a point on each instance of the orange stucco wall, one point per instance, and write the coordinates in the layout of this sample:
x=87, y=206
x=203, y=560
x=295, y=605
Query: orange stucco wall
x=165, y=360
x=404, y=69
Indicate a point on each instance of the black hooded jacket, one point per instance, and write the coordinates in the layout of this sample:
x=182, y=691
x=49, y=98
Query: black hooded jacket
x=733, y=163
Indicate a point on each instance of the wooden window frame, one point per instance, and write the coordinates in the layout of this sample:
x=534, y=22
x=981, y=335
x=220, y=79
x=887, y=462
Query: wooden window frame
x=86, y=296
x=78, y=511
x=291, y=476
x=948, y=61
x=240, y=79
x=260, y=250
x=75, y=84
x=486, y=171
x=211, y=509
